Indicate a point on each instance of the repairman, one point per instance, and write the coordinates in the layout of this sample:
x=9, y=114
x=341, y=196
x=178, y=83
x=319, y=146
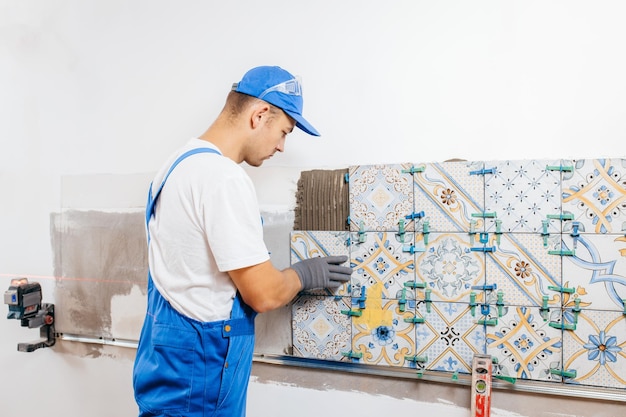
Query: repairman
x=209, y=269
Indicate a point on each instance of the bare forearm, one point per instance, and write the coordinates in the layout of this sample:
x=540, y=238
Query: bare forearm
x=265, y=288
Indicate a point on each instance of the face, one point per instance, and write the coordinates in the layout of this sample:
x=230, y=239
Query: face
x=270, y=137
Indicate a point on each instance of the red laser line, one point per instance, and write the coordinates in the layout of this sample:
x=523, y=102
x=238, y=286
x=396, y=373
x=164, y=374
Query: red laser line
x=53, y=278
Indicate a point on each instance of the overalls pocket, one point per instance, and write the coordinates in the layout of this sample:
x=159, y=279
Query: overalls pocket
x=236, y=374
x=164, y=373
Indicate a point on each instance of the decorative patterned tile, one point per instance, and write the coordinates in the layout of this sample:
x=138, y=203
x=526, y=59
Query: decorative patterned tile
x=380, y=197
x=320, y=329
x=597, y=271
x=449, y=267
x=596, y=350
x=381, y=263
x=311, y=244
x=423, y=244
x=595, y=193
x=382, y=335
x=450, y=194
x=525, y=345
x=523, y=270
x=449, y=336
x=522, y=194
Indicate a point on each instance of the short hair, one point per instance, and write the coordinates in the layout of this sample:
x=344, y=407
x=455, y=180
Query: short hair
x=237, y=103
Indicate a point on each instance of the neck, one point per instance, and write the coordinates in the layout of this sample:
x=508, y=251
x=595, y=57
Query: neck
x=227, y=139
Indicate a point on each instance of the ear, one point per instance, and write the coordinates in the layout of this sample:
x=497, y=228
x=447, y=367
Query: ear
x=260, y=114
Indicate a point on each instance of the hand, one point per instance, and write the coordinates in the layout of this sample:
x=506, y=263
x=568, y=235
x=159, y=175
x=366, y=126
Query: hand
x=325, y=272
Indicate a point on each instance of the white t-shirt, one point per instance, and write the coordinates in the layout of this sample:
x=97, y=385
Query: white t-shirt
x=207, y=221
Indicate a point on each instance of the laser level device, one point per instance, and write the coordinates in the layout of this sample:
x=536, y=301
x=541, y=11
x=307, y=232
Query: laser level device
x=24, y=301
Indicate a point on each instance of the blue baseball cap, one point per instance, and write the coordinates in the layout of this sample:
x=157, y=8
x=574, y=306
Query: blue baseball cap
x=279, y=88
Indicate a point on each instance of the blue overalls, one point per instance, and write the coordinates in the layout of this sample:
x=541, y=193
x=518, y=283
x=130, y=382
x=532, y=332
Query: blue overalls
x=189, y=368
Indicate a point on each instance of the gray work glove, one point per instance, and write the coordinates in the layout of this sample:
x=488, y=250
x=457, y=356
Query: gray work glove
x=323, y=272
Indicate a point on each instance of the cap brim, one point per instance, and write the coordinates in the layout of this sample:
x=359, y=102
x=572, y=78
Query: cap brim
x=302, y=124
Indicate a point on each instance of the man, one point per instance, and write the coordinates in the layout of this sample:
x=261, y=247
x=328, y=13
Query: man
x=209, y=269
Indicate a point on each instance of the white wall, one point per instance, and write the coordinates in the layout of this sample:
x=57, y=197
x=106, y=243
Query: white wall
x=112, y=87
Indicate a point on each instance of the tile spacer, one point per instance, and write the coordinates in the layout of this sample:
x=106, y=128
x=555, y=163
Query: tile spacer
x=415, y=358
x=510, y=379
x=415, y=284
x=545, y=234
x=426, y=231
x=500, y=302
x=562, y=326
x=576, y=309
x=559, y=168
x=361, y=232
x=351, y=313
x=562, y=252
x=361, y=299
x=428, y=301
x=484, y=249
x=484, y=171
x=486, y=215
x=415, y=215
x=560, y=289
x=402, y=301
x=472, y=303
x=401, y=230
x=352, y=355
x=412, y=249
x=562, y=216
x=489, y=287
x=498, y=231
x=567, y=374
x=413, y=170
x=415, y=320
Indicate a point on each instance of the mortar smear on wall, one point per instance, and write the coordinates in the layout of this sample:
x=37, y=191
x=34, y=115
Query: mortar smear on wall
x=98, y=257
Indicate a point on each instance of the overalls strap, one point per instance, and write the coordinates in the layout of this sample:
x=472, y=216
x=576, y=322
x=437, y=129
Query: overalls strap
x=150, y=206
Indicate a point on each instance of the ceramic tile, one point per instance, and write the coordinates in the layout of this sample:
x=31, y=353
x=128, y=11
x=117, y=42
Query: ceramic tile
x=451, y=196
x=380, y=197
x=597, y=270
x=522, y=194
x=320, y=329
x=449, y=337
x=560, y=236
x=523, y=269
x=525, y=345
x=595, y=193
x=596, y=349
x=310, y=244
x=449, y=267
x=382, y=263
x=384, y=333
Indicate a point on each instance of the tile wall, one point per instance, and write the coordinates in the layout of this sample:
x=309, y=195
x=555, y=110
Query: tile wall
x=522, y=260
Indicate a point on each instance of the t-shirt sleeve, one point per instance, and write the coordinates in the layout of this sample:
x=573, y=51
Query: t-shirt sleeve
x=233, y=225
